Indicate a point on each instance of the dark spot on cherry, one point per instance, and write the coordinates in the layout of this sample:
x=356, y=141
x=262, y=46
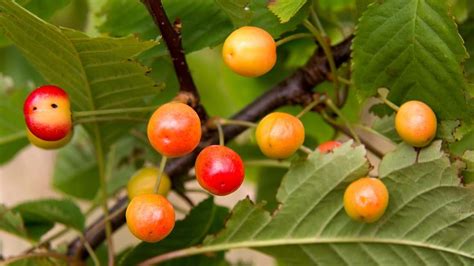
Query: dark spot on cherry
x=54, y=105
x=34, y=108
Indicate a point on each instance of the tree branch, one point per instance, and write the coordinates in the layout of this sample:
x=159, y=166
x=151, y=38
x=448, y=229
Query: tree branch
x=172, y=37
x=295, y=89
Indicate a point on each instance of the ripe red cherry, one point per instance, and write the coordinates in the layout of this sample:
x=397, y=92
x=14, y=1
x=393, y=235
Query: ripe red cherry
x=174, y=129
x=219, y=170
x=47, y=113
x=328, y=146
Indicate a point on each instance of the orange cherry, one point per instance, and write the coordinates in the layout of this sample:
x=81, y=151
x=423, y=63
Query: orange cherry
x=249, y=51
x=416, y=123
x=174, y=129
x=279, y=135
x=366, y=199
x=150, y=217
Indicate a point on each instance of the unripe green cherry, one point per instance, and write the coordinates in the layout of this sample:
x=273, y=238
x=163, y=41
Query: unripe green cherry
x=143, y=182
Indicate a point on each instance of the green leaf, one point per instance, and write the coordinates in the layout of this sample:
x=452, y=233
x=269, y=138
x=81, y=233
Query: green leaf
x=264, y=18
x=386, y=126
x=428, y=219
x=45, y=261
x=362, y=6
x=238, y=11
x=285, y=9
x=206, y=218
x=98, y=73
x=467, y=32
x=413, y=48
x=52, y=210
x=12, y=222
x=75, y=171
x=12, y=125
x=43, y=9
x=468, y=173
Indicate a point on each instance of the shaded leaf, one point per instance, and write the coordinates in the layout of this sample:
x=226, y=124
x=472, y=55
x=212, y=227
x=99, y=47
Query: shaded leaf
x=468, y=173
x=75, y=171
x=198, y=19
x=238, y=11
x=52, y=210
x=11, y=222
x=12, y=125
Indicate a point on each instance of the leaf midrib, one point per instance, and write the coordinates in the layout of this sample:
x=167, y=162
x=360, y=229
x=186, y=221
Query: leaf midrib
x=306, y=241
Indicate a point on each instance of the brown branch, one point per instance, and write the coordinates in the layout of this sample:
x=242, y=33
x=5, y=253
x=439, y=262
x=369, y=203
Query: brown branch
x=172, y=37
x=295, y=89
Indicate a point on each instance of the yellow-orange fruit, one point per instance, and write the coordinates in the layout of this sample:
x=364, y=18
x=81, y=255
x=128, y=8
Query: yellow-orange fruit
x=366, y=199
x=279, y=135
x=48, y=145
x=249, y=51
x=150, y=217
x=416, y=123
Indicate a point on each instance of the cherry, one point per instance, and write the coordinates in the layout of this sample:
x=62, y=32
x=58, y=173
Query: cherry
x=416, y=123
x=328, y=146
x=143, y=182
x=47, y=113
x=174, y=129
x=279, y=135
x=249, y=51
x=48, y=145
x=219, y=170
x=366, y=199
x=150, y=217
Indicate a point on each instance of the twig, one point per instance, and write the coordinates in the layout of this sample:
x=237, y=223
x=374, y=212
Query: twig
x=36, y=255
x=172, y=37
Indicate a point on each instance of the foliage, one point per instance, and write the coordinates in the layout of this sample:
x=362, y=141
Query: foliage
x=116, y=69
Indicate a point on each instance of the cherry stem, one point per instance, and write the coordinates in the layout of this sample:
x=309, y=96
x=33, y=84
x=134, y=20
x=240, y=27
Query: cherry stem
x=327, y=50
x=114, y=111
x=89, y=249
x=160, y=173
x=336, y=110
x=345, y=81
x=388, y=102
x=221, y=133
x=293, y=37
x=309, y=107
x=243, y=123
x=316, y=20
x=197, y=191
x=37, y=255
x=108, y=118
x=305, y=149
x=268, y=163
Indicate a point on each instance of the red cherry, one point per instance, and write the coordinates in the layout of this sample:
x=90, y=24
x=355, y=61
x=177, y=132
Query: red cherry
x=328, y=146
x=47, y=113
x=219, y=170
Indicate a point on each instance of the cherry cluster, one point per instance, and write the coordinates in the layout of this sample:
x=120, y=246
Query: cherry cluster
x=174, y=130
